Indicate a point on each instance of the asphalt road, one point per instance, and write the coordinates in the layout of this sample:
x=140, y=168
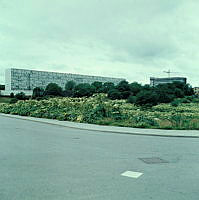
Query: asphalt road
x=48, y=162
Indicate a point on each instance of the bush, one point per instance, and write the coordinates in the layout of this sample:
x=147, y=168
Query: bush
x=195, y=100
x=135, y=88
x=99, y=109
x=114, y=94
x=38, y=92
x=107, y=86
x=98, y=86
x=70, y=85
x=185, y=100
x=12, y=95
x=21, y=96
x=13, y=100
x=84, y=89
x=123, y=86
x=53, y=89
x=147, y=98
x=175, y=103
x=131, y=99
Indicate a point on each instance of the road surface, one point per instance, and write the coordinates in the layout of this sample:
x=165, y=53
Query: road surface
x=48, y=162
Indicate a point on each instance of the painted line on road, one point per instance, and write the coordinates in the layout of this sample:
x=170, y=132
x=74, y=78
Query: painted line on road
x=132, y=174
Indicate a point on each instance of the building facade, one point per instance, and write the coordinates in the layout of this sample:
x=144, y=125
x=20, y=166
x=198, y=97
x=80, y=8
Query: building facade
x=27, y=80
x=196, y=91
x=156, y=81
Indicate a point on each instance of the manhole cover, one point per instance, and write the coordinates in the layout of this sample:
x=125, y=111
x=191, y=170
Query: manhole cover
x=153, y=160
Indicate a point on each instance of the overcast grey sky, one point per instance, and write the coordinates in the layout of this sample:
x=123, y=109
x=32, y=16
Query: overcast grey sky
x=132, y=39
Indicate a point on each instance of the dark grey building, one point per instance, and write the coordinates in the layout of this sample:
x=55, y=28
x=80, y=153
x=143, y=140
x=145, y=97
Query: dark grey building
x=156, y=81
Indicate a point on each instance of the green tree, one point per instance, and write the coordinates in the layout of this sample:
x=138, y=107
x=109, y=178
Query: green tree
x=188, y=90
x=108, y=86
x=131, y=99
x=21, y=96
x=53, y=89
x=114, y=94
x=12, y=95
x=165, y=94
x=83, y=89
x=70, y=85
x=38, y=92
x=135, y=88
x=124, y=89
x=69, y=89
x=98, y=86
x=147, y=98
x=179, y=93
x=123, y=86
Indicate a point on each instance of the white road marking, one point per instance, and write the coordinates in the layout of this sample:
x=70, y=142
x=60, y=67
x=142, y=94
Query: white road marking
x=132, y=174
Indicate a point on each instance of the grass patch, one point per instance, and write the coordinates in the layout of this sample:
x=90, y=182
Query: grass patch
x=5, y=99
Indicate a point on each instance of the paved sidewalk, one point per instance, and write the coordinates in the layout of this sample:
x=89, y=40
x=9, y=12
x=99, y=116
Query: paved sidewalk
x=112, y=129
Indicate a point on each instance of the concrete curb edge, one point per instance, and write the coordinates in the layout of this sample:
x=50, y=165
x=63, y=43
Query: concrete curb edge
x=118, y=130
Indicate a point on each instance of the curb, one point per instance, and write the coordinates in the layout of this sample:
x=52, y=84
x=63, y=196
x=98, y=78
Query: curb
x=111, y=129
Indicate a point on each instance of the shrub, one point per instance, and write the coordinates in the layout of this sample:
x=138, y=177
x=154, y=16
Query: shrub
x=195, y=100
x=83, y=89
x=98, y=86
x=123, y=86
x=147, y=98
x=135, y=88
x=131, y=99
x=185, y=100
x=175, y=103
x=20, y=96
x=38, y=92
x=12, y=95
x=114, y=94
x=107, y=86
x=13, y=100
x=53, y=89
x=70, y=85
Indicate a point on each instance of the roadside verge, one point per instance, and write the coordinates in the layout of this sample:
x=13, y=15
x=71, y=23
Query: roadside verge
x=111, y=129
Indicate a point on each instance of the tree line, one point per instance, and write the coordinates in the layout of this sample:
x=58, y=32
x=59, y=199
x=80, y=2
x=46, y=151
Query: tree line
x=142, y=95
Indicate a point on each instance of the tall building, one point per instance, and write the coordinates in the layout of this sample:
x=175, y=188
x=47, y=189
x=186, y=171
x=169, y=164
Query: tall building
x=156, y=81
x=26, y=80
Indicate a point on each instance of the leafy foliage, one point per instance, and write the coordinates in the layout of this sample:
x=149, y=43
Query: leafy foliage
x=147, y=98
x=99, y=109
x=144, y=96
x=98, y=86
x=38, y=92
x=21, y=96
x=12, y=95
x=53, y=89
x=114, y=94
x=84, y=89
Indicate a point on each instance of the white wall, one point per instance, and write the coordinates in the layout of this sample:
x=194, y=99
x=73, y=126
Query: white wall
x=8, y=79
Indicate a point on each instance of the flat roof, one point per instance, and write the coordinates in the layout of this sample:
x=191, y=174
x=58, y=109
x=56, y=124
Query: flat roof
x=168, y=78
x=91, y=76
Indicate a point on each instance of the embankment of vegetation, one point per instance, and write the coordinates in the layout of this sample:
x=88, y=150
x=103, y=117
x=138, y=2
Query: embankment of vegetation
x=99, y=109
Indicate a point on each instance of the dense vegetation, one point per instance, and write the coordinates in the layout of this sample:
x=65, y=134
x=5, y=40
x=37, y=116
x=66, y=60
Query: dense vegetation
x=171, y=106
x=99, y=109
x=133, y=92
